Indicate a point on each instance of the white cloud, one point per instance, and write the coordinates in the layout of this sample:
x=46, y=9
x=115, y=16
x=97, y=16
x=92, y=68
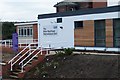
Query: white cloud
x=25, y=10
x=17, y=10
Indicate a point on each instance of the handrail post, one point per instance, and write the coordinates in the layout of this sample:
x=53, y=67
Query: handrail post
x=25, y=42
x=8, y=43
x=20, y=45
x=22, y=67
x=5, y=43
x=29, y=49
x=11, y=66
x=47, y=51
x=41, y=49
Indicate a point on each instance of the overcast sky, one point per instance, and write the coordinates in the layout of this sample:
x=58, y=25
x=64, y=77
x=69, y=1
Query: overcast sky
x=27, y=10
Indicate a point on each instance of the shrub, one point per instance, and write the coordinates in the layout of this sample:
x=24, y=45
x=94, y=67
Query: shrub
x=59, y=53
x=68, y=51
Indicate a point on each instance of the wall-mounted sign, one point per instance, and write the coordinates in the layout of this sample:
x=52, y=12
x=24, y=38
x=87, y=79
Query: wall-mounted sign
x=50, y=30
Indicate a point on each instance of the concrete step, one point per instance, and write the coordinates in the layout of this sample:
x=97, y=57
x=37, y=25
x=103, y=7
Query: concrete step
x=12, y=76
x=16, y=73
x=17, y=70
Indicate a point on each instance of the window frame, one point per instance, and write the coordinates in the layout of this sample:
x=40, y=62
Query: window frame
x=23, y=31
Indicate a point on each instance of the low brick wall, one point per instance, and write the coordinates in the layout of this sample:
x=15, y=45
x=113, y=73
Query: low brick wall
x=7, y=50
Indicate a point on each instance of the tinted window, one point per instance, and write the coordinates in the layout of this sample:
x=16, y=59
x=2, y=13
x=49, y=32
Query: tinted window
x=78, y=24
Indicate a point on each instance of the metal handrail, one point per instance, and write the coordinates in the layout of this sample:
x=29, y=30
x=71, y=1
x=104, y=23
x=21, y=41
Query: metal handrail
x=8, y=43
x=13, y=63
x=23, y=65
x=31, y=59
x=28, y=56
x=19, y=53
x=21, y=57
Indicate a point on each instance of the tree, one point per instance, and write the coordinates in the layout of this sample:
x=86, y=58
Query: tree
x=7, y=29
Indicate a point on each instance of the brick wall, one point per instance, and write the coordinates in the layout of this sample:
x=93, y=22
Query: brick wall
x=35, y=31
x=7, y=50
x=99, y=4
x=61, y=9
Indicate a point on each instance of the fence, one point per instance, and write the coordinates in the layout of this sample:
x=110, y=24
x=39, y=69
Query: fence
x=6, y=43
x=22, y=42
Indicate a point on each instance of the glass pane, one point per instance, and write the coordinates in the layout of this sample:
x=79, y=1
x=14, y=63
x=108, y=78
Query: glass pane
x=100, y=33
x=22, y=32
x=116, y=28
x=31, y=32
x=25, y=31
x=28, y=32
x=117, y=33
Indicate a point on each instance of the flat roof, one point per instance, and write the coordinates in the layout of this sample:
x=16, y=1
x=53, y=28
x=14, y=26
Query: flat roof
x=26, y=23
x=81, y=12
x=63, y=3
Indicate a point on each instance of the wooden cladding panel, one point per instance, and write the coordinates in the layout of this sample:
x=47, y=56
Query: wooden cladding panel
x=85, y=36
x=109, y=33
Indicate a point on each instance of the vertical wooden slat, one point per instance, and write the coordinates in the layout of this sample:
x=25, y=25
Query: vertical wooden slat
x=109, y=33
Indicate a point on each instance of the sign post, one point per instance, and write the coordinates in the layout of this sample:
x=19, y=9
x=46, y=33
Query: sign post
x=15, y=42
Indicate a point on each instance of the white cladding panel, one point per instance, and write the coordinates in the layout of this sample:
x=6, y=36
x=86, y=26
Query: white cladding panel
x=56, y=35
x=113, y=2
x=65, y=37
x=94, y=16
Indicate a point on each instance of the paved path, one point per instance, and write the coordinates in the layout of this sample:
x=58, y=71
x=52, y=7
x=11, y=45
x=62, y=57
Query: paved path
x=109, y=54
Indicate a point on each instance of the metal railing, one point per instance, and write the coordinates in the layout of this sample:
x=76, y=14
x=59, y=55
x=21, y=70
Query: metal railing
x=24, y=64
x=22, y=42
x=31, y=51
x=6, y=43
x=28, y=50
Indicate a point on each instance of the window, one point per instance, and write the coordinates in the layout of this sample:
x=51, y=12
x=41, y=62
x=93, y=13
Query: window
x=116, y=32
x=59, y=20
x=78, y=24
x=100, y=33
x=25, y=31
